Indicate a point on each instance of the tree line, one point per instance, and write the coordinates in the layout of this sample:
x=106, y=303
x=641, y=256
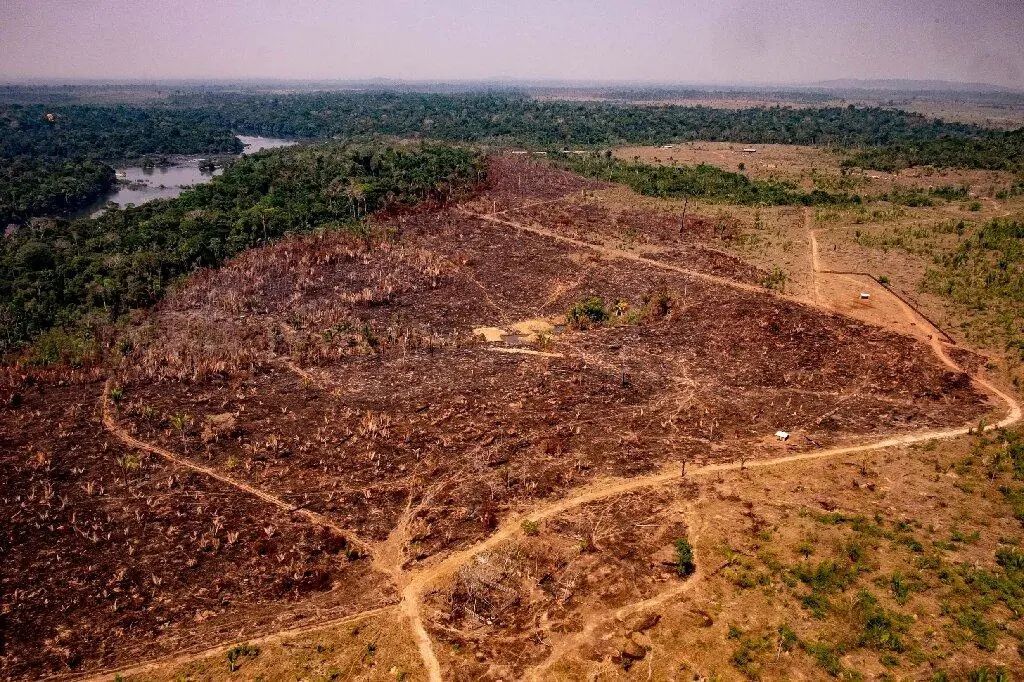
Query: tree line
x=703, y=181
x=52, y=145
x=995, y=150
x=55, y=272
x=508, y=117
x=56, y=159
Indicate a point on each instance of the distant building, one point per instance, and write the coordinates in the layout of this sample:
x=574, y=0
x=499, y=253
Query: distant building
x=749, y=150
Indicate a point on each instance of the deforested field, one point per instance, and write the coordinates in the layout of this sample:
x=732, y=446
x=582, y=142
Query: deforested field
x=485, y=415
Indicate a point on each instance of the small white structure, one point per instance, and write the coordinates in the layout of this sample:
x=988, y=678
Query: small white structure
x=749, y=150
x=864, y=295
x=782, y=435
x=668, y=146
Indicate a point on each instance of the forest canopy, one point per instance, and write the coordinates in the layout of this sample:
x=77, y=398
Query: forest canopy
x=51, y=147
x=56, y=159
x=504, y=117
x=993, y=151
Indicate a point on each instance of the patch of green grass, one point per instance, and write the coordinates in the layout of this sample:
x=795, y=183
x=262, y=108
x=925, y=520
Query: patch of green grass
x=825, y=656
x=590, y=311
x=982, y=633
x=986, y=674
x=1010, y=558
x=828, y=575
x=900, y=587
x=817, y=603
x=881, y=628
x=685, y=565
x=787, y=638
x=775, y=280
x=746, y=657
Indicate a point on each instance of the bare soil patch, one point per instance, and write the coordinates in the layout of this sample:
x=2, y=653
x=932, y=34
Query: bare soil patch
x=502, y=613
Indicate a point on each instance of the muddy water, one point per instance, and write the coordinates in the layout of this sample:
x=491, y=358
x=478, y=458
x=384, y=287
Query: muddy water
x=137, y=185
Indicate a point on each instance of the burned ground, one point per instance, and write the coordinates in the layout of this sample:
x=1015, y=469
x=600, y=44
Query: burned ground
x=111, y=554
x=342, y=374
x=502, y=611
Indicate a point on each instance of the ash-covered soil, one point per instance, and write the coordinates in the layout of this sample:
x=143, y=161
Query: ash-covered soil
x=343, y=375
x=110, y=555
x=499, y=615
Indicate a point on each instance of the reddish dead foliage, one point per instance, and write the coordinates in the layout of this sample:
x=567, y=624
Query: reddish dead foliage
x=111, y=555
x=342, y=375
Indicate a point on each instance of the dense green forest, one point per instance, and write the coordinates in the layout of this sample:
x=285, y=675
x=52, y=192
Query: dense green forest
x=889, y=139
x=54, y=272
x=522, y=120
x=53, y=158
x=994, y=151
x=110, y=132
x=33, y=186
x=705, y=182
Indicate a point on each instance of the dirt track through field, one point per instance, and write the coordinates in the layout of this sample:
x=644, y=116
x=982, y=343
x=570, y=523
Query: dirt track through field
x=414, y=584
x=111, y=424
x=612, y=252
x=189, y=657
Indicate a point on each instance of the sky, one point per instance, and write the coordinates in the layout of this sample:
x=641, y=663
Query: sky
x=708, y=41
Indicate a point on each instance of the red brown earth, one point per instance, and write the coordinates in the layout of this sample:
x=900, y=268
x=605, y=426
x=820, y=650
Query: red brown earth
x=342, y=375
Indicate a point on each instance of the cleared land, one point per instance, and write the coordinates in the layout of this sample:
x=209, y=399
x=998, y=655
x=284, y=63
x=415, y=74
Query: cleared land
x=817, y=167
x=315, y=431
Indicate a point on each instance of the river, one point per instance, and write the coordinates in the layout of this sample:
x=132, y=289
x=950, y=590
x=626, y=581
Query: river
x=137, y=185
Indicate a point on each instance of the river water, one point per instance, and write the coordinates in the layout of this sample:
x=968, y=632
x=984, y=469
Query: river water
x=137, y=185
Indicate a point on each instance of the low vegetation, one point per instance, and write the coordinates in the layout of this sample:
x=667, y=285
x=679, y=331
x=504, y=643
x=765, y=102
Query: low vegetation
x=704, y=182
x=867, y=583
x=685, y=565
x=985, y=273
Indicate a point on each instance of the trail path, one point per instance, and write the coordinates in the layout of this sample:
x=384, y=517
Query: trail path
x=623, y=254
x=415, y=583
x=184, y=658
x=111, y=424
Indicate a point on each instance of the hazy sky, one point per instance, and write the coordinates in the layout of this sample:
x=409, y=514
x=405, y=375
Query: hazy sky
x=655, y=40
